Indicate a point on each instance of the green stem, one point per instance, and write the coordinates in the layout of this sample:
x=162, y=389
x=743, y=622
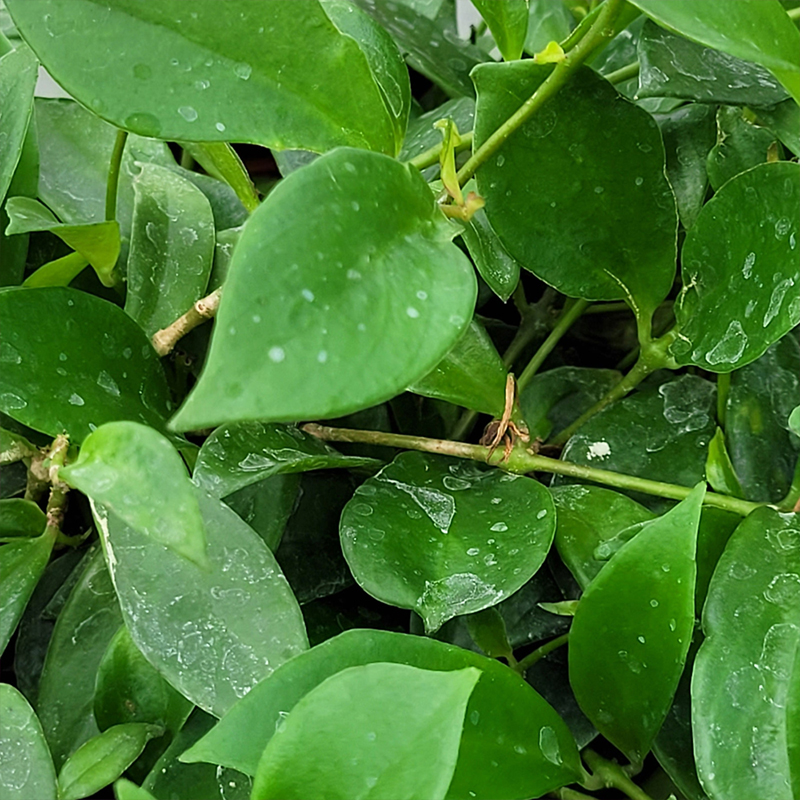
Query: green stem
x=113, y=174
x=723, y=389
x=522, y=461
x=611, y=776
x=595, y=36
x=431, y=156
x=624, y=73
x=540, y=652
x=571, y=312
x=565, y=793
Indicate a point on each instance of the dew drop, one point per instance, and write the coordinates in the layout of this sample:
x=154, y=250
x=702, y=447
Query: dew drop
x=188, y=113
x=277, y=354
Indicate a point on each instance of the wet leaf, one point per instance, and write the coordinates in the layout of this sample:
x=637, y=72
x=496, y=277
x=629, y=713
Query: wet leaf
x=494, y=264
x=784, y=119
x=554, y=194
x=133, y=471
x=445, y=537
x=719, y=470
x=364, y=264
x=747, y=664
x=631, y=633
x=513, y=744
x=171, y=249
x=89, y=364
x=20, y=518
x=213, y=634
x=508, y=23
x=26, y=769
x=164, y=86
x=548, y=21
x=237, y=455
x=740, y=271
x=222, y=162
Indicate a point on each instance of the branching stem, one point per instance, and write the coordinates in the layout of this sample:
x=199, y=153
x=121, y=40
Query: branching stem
x=540, y=652
x=611, y=776
x=205, y=308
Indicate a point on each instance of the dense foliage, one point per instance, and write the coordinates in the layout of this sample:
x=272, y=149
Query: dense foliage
x=328, y=545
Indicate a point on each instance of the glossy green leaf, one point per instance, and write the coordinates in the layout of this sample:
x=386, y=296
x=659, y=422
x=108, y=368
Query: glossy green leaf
x=237, y=455
x=746, y=666
x=740, y=146
x=494, y=264
x=445, y=537
x=97, y=242
x=784, y=119
x=88, y=363
x=671, y=66
x=125, y=790
x=548, y=21
x=19, y=518
x=344, y=263
x=794, y=421
x=488, y=630
x=222, y=162
x=103, y=759
x=631, y=633
x=66, y=690
x=21, y=565
x=128, y=689
x=385, y=730
x=554, y=194
x=753, y=30
x=508, y=22
x=471, y=375
x=171, y=250
x=60, y=272
x=233, y=75
x=720, y=473
x=741, y=271
x=513, y=744
x=213, y=634
x=26, y=768
x=133, y=471
x=18, y=73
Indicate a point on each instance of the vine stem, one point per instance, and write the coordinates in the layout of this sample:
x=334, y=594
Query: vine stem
x=611, y=776
x=113, y=174
x=431, y=156
x=205, y=308
x=540, y=652
x=523, y=461
x=624, y=73
x=600, y=30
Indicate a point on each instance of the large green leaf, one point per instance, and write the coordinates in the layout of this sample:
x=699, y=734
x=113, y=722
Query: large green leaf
x=513, y=744
x=746, y=667
x=237, y=455
x=345, y=258
x=26, y=768
x=508, y=22
x=578, y=194
x=631, y=633
x=753, y=30
x=212, y=633
x=378, y=730
x=171, y=249
x=136, y=473
x=741, y=271
x=273, y=73
x=445, y=537
x=88, y=363
x=495, y=265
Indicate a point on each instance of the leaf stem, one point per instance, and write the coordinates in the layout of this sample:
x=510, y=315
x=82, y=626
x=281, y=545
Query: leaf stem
x=723, y=389
x=523, y=461
x=113, y=174
x=600, y=30
x=540, y=652
x=611, y=776
x=430, y=156
x=624, y=73
x=205, y=308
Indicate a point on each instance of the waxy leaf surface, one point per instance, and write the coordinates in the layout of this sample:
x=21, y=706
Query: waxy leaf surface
x=632, y=630
x=578, y=194
x=508, y=22
x=445, y=537
x=345, y=258
x=19, y=518
x=494, y=264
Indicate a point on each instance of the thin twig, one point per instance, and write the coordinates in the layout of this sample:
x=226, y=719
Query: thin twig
x=205, y=308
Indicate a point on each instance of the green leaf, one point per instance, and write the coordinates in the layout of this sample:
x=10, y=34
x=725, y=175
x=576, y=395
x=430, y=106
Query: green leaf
x=387, y=730
x=471, y=375
x=739, y=269
x=20, y=518
x=753, y=30
x=794, y=421
x=548, y=21
x=21, y=565
x=97, y=242
x=345, y=262
x=85, y=626
x=60, y=272
x=445, y=537
x=88, y=364
x=422, y=136
x=14, y=447
x=747, y=665
x=222, y=162
x=583, y=212
x=243, y=453
x=125, y=790
x=513, y=744
x=213, y=634
x=488, y=630
x=103, y=759
x=270, y=74
x=494, y=264
x=631, y=633
x=128, y=689
x=671, y=66
x=18, y=73
x=784, y=119
x=720, y=472
x=171, y=249
x=133, y=471
x=508, y=22
x=26, y=769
